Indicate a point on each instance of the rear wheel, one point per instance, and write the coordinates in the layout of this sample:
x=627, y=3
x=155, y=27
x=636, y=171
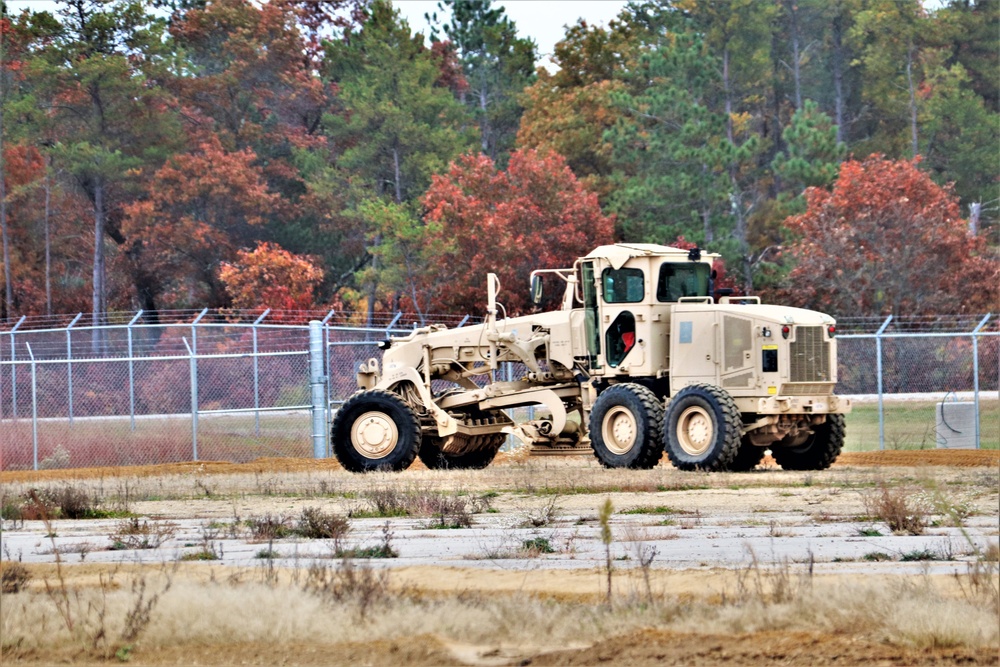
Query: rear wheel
x=375, y=430
x=625, y=425
x=818, y=452
x=701, y=429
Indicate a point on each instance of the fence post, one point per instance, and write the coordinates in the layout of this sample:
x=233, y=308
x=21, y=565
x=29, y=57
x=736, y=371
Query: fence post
x=194, y=400
x=326, y=370
x=34, y=408
x=975, y=369
x=131, y=372
x=878, y=357
x=13, y=367
x=69, y=364
x=256, y=377
x=317, y=382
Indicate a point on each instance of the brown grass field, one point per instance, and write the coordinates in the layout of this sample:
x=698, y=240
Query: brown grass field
x=888, y=558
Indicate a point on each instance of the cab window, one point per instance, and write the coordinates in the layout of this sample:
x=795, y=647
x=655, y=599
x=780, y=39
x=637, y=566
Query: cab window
x=680, y=280
x=623, y=285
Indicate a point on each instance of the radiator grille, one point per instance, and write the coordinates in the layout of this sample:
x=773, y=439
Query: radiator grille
x=810, y=356
x=807, y=389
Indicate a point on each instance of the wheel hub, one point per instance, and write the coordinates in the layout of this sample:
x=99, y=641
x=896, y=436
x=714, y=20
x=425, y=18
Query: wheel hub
x=695, y=431
x=620, y=430
x=374, y=435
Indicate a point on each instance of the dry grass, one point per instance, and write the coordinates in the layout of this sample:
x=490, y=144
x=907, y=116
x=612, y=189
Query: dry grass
x=195, y=613
x=156, y=609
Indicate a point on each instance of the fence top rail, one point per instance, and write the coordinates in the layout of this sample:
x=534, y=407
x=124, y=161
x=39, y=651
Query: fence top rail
x=230, y=316
x=948, y=323
x=166, y=357
x=926, y=334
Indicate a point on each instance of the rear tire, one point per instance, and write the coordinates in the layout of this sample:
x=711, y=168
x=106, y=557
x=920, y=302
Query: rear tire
x=701, y=430
x=625, y=425
x=375, y=430
x=818, y=452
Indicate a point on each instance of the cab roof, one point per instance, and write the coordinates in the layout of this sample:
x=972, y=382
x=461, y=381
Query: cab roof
x=619, y=253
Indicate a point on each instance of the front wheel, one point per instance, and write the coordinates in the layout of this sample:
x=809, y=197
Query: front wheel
x=625, y=427
x=818, y=452
x=701, y=430
x=375, y=430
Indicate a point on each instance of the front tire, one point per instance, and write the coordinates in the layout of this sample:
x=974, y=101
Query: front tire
x=375, y=430
x=701, y=430
x=818, y=452
x=625, y=425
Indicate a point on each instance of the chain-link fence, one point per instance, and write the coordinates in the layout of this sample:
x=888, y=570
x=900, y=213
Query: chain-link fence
x=921, y=382
x=203, y=385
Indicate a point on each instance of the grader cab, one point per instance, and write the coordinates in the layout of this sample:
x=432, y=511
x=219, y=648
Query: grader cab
x=638, y=360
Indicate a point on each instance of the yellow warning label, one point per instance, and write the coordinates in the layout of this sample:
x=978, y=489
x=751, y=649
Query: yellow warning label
x=770, y=347
x=772, y=390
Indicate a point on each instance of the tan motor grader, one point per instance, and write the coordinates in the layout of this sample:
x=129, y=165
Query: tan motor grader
x=639, y=358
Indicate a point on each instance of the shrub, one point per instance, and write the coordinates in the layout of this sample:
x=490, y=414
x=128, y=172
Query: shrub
x=897, y=507
x=13, y=577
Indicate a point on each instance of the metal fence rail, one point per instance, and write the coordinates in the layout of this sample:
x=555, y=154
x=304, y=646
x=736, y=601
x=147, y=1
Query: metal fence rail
x=225, y=386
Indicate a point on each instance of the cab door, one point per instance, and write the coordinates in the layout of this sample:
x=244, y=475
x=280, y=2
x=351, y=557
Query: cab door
x=625, y=318
x=585, y=322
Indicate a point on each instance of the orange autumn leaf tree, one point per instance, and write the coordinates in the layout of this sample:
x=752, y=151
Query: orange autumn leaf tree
x=888, y=240
x=270, y=277
x=534, y=215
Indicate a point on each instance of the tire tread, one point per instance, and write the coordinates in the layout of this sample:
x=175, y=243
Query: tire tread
x=341, y=446
x=733, y=425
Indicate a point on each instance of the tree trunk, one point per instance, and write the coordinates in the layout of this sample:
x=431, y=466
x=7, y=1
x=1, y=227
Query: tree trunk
x=735, y=197
x=484, y=122
x=796, y=69
x=913, y=100
x=4, y=232
x=706, y=212
x=729, y=97
x=395, y=164
x=838, y=76
x=98, y=295
x=48, y=239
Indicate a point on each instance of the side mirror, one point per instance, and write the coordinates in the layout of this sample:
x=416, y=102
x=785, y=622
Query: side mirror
x=536, y=289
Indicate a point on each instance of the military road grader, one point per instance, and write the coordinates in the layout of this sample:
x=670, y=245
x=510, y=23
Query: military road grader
x=639, y=359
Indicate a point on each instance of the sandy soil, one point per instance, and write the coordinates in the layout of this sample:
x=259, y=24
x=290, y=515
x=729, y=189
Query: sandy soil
x=921, y=457
x=801, y=513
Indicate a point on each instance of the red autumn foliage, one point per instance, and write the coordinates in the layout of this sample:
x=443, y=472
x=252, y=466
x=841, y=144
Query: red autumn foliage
x=270, y=277
x=198, y=206
x=888, y=240
x=535, y=215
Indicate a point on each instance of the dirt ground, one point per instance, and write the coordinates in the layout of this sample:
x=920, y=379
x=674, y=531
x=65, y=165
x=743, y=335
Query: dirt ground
x=960, y=458
x=810, y=520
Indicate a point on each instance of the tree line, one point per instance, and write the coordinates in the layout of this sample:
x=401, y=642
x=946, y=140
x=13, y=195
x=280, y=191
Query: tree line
x=296, y=154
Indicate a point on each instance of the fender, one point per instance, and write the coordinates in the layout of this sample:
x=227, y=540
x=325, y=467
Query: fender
x=445, y=422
